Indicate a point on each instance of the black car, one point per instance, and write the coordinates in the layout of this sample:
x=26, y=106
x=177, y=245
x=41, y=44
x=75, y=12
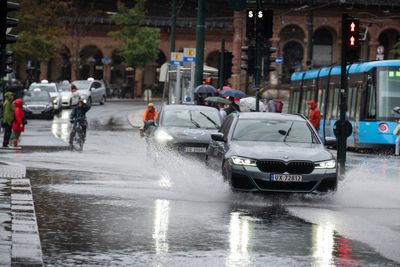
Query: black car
x=186, y=128
x=38, y=104
x=272, y=152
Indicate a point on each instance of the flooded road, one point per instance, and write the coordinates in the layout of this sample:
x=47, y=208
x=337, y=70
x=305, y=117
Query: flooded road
x=116, y=205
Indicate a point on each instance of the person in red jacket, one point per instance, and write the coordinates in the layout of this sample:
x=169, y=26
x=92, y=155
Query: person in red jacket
x=315, y=114
x=18, y=124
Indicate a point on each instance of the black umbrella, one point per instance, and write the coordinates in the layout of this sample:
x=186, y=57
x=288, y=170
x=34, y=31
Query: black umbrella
x=205, y=88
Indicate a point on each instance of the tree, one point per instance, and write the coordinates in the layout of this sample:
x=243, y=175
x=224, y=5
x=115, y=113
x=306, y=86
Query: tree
x=139, y=44
x=40, y=29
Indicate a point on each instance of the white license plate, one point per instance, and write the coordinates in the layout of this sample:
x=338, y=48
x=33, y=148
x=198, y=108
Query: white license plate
x=195, y=149
x=286, y=178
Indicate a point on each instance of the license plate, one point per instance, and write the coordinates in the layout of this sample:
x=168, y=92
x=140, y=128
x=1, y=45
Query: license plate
x=195, y=149
x=286, y=178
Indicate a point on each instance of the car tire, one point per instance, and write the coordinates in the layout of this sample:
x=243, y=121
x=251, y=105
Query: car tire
x=225, y=173
x=103, y=100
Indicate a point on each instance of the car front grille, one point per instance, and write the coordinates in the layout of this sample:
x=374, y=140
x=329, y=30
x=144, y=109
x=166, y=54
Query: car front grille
x=292, y=167
x=285, y=186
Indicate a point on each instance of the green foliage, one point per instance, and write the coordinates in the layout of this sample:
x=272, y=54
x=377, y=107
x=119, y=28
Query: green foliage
x=40, y=29
x=139, y=44
x=396, y=49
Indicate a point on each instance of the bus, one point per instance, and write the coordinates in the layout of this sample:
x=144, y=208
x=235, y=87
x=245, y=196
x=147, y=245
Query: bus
x=373, y=92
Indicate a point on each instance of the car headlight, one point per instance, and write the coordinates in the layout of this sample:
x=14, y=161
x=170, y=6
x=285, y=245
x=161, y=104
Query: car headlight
x=55, y=101
x=329, y=164
x=163, y=136
x=243, y=161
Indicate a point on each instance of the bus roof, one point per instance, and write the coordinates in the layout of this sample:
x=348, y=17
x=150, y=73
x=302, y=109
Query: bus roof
x=336, y=70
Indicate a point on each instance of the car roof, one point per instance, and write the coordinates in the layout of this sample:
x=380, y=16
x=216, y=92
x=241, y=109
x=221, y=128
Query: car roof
x=188, y=107
x=270, y=115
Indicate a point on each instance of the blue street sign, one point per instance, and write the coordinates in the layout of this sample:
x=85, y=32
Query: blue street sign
x=106, y=60
x=279, y=60
x=176, y=58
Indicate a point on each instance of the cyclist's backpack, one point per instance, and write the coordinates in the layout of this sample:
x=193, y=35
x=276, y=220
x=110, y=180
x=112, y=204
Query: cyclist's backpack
x=278, y=106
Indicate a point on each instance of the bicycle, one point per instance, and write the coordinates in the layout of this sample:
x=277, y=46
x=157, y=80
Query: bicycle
x=77, y=136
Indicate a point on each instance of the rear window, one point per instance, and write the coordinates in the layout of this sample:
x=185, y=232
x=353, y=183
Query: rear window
x=36, y=97
x=48, y=88
x=273, y=131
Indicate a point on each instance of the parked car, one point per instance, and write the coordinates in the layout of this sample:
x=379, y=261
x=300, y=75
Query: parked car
x=93, y=90
x=69, y=97
x=186, y=128
x=272, y=152
x=52, y=88
x=38, y=104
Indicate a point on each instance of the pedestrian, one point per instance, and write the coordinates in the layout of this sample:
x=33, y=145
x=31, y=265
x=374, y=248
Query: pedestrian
x=233, y=107
x=396, y=132
x=315, y=114
x=18, y=123
x=270, y=107
x=8, y=117
x=222, y=111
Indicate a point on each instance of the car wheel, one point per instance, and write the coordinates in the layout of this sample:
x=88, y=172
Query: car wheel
x=103, y=100
x=225, y=172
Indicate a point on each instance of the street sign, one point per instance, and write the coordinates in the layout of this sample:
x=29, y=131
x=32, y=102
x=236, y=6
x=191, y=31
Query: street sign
x=106, y=60
x=176, y=58
x=189, y=54
x=279, y=60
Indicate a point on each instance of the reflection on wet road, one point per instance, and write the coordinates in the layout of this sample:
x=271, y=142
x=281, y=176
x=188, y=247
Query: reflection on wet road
x=116, y=205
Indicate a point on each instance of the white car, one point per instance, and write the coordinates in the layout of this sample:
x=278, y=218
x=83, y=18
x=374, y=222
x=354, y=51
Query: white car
x=94, y=91
x=69, y=97
x=53, y=91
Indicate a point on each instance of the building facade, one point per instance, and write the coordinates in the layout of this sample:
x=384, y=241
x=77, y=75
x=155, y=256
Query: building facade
x=90, y=52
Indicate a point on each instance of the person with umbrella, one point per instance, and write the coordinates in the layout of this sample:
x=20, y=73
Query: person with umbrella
x=233, y=107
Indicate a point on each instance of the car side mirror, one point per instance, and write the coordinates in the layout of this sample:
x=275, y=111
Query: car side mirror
x=330, y=141
x=219, y=137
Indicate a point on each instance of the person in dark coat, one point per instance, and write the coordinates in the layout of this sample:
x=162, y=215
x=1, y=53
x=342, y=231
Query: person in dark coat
x=7, y=117
x=233, y=107
x=78, y=115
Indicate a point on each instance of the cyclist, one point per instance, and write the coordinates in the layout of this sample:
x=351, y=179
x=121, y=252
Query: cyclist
x=78, y=115
x=149, y=116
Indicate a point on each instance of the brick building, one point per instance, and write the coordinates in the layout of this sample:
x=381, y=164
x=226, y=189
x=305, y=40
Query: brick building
x=87, y=46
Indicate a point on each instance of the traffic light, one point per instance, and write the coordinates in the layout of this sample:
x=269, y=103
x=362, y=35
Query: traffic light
x=268, y=59
x=264, y=23
x=228, y=64
x=6, y=25
x=249, y=60
x=351, y=31
x=250, y=23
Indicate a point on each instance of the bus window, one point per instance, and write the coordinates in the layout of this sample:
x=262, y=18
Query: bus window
x=389, y=93
x=335, y=103
x=330, y=100
x=321, y=100
x=371, y=101
x=349, y=101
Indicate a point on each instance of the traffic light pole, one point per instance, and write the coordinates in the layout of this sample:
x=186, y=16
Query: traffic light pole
x=342, y=142
x=257, y=74
x=200, y=29
x=222, y=64
x=172, y=36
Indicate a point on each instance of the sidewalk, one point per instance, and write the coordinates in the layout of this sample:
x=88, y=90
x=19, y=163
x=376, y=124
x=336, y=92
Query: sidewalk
x=19, y=234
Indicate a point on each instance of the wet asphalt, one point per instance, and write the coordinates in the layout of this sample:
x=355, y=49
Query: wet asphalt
x=114, y=204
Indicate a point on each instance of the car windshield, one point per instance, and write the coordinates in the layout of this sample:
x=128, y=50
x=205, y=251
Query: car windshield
x=273, y=131
x=82, y=85
x=36, y=97
x=49, y=88
x=192, y=118
x=64, y=87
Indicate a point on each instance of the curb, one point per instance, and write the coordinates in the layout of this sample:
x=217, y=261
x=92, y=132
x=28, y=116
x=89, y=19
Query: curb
x=20, y=234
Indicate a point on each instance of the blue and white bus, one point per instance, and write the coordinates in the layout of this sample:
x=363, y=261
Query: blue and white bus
x=374, y=90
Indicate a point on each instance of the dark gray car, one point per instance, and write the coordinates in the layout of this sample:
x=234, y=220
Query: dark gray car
x=186, y=128
x=272, y=152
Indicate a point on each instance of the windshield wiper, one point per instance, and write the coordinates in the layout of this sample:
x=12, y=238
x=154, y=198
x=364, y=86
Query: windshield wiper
x=288, y=132
x=211, y=120
x=193, y=121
